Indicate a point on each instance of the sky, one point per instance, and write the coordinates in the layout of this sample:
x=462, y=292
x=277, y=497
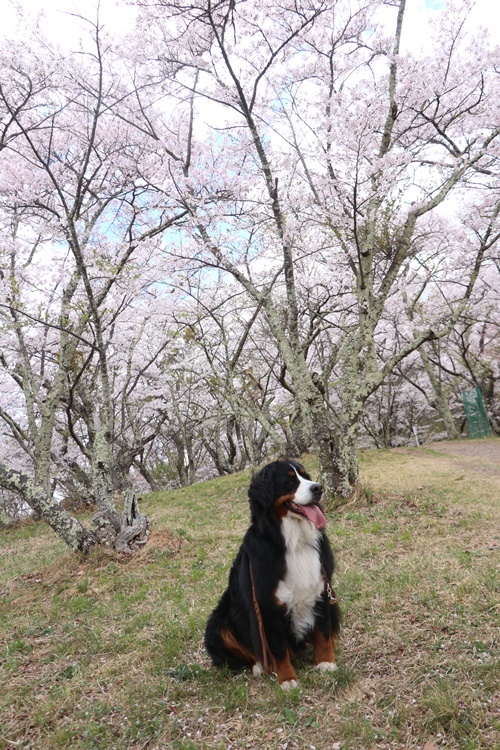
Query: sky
x=58, y=19
x=60, y=24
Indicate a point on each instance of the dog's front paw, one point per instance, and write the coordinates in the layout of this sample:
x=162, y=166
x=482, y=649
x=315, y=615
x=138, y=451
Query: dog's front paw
x=289, y=684
x=257, y=669
x=326, y=666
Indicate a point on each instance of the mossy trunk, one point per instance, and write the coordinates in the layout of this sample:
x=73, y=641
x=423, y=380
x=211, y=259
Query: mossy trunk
x=124, y=531
x=347, y=464
x=440, y=400
x=5, y=519
x=71, y=531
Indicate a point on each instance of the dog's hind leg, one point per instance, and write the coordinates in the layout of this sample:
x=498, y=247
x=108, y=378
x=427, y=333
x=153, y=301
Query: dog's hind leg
x=241, y=653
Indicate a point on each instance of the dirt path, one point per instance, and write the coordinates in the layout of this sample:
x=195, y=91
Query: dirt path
x=481, y=456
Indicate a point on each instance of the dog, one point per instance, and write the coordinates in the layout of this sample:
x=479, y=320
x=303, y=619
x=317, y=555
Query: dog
x=279, y=596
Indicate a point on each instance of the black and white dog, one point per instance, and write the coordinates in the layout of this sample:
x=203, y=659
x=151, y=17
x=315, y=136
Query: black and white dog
x=279, y=596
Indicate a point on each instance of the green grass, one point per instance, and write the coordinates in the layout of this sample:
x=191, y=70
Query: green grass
x=107, y=652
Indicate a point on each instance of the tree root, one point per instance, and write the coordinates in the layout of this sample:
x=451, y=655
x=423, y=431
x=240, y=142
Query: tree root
x=124, y=532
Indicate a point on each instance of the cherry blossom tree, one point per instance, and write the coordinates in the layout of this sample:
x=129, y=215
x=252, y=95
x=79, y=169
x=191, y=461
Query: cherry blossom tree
x=468, y=356
x=335, y=148
x=243, y=230
x=73, y=177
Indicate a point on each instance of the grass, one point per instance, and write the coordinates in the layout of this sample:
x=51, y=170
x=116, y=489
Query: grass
x=106, y=652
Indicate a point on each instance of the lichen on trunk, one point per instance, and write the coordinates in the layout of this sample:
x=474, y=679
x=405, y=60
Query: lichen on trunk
x=124, y=531
x=68, y=528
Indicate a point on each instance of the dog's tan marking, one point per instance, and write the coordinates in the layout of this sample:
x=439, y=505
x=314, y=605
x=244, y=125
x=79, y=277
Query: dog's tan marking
x=236, y=648
x=284, y=669
x=279, y=504
x=323, y=648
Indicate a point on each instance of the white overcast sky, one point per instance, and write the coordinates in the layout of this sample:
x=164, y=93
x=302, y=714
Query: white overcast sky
x=59, y=24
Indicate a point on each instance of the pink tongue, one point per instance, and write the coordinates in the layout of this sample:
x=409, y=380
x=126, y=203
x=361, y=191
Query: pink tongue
x=315, y=515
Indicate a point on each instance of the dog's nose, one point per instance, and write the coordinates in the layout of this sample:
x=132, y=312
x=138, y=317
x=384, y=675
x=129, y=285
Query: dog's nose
x=316, y=489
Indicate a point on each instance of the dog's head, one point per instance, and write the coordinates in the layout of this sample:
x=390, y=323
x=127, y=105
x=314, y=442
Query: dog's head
x=285, y=488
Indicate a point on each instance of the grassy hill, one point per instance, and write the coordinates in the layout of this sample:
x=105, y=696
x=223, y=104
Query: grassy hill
x=106, y=652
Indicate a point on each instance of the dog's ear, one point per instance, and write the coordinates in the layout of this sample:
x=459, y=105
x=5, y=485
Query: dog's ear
x=261, y=492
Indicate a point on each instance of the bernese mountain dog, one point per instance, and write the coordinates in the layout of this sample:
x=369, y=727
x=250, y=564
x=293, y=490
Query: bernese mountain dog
x=279, y=596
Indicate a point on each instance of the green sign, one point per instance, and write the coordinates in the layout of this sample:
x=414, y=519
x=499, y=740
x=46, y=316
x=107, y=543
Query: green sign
x=476, y=413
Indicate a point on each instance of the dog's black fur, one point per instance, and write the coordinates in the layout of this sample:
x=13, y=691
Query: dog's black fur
x=233, y=636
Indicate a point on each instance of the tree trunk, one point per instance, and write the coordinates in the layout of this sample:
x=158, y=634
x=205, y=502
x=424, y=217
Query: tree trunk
x=102, y=470
x=123, y=532
x=301, y=435
x=358, y=376
x=144, y=471
x=347, y=455
x=68, y=528
x=5, y=519
x=440, y=400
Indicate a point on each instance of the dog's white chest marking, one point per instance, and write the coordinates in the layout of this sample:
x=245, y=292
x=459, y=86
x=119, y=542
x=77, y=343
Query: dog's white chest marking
x=303, y=582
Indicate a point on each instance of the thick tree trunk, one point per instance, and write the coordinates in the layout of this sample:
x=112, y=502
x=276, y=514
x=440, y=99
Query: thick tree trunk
x=102, y=470
x=440, y=400
x=124, y=532
x=347, y=455
x=323, y=442
x=68, y=528
x=301, y=432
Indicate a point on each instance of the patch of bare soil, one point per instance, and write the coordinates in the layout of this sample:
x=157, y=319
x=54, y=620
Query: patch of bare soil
x=481, y=456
